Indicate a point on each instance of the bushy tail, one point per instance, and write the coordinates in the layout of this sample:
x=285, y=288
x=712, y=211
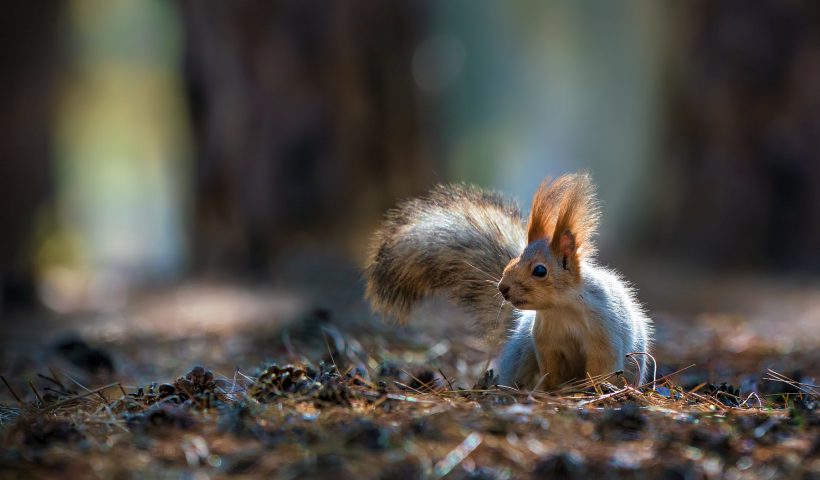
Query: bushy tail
x=457, y=239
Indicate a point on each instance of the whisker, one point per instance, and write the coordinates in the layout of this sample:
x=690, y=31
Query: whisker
x=498, y=315
x=489, y=275
x=479, y=280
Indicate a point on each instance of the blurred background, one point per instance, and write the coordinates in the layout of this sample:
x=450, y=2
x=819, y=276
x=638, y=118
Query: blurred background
x=194, y=182
x=146, y=144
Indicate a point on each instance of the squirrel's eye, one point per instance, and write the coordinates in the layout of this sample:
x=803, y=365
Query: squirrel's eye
x=539, y=271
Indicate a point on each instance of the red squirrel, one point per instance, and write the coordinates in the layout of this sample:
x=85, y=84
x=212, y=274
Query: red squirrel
x=534, y=287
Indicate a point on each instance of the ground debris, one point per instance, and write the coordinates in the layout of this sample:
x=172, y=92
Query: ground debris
x=42, y=432
x=340, y=412
x=560, y=465
x=624, y=423
x=276, y=381
x=161, y=417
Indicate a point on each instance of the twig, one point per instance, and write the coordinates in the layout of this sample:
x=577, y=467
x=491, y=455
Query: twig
x=55, y=382
x=589, y=380
x=665, y=377
x=408, y=387
x=36, y=393
x=446, y=379
x=605, y=397
x=574, y=386
x=247, y=378
x=233, y=382
x=327, y=344
x=407, y=398
x=803, y=387
x=595, y=384
x=79, y=396
x=697, y=387
x=537, y=385
x=753, y=394
x=57, y=378
x=530, y=394
x=640, y=370
x=13, y=394
x=425, y=385
x=366, y=382
x=86, y=388
x=709, y=401
x=458, y=454
x=654, y=364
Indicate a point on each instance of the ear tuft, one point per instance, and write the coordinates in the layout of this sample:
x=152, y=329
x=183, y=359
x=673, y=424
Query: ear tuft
x=546, y=205
x=565, y=211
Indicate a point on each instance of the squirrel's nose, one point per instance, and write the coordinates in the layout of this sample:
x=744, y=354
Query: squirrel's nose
x=504, y=289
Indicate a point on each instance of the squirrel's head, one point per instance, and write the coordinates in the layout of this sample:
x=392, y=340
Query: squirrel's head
x=539, y=277
x=562, y=221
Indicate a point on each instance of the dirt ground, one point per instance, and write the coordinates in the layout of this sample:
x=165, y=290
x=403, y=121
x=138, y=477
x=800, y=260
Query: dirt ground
x=302, y=382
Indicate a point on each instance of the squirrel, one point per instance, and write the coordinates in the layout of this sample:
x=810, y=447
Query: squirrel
x=536, y=288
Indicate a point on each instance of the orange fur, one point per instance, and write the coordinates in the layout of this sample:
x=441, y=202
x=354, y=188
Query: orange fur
x=569, y=344
x=544, y=210
x=565, y=212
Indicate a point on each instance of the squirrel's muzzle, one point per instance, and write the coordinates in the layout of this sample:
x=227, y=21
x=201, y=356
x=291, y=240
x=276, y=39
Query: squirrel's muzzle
x=505, y=290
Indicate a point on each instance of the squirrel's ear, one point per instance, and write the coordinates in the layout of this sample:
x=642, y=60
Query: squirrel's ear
x=542, y=215
x=564, y=248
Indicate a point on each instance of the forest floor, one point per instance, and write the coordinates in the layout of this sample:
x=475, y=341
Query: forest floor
x=208, y=381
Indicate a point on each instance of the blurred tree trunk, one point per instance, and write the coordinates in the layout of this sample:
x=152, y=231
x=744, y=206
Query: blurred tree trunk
x=306, y=120
x=745, y=135
x=31, y=50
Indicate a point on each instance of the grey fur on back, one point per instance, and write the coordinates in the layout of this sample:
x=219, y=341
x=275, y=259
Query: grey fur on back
x=458, y=240
x=614, y=301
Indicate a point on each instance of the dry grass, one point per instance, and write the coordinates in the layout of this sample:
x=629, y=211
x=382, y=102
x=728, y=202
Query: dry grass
x=357, y=399
x=359, y=416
